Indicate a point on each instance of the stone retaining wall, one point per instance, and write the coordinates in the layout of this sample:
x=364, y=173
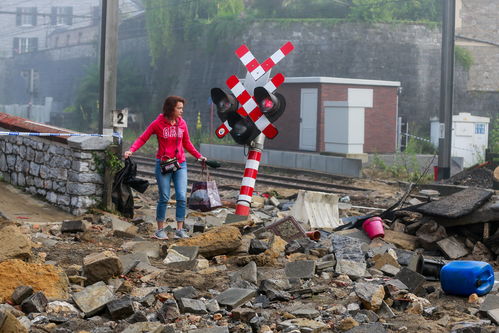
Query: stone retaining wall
x=64, y=171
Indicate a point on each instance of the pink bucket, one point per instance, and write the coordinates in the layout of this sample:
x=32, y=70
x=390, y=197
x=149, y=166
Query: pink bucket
x=374, y=227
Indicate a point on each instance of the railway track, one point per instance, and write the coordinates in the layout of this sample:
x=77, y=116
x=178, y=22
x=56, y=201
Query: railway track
x=145, y=168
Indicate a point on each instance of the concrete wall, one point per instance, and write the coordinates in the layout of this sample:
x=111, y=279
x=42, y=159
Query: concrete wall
x=334, y=165
x=64, y=171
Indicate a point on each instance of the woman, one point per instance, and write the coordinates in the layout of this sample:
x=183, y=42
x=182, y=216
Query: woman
x=173, y=137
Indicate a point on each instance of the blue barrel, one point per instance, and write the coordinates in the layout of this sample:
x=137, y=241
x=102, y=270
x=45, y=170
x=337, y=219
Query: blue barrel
x=467, y=277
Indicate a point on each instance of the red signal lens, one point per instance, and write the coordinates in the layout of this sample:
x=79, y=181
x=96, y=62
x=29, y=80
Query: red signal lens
x=267, y=103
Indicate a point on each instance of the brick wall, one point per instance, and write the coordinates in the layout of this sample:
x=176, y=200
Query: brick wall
x=380, y=128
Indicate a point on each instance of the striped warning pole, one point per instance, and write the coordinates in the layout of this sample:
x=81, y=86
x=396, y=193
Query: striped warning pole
x=248, y=183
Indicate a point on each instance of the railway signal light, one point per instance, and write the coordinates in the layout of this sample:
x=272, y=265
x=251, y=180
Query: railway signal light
x=242, y=129
x=272, y=105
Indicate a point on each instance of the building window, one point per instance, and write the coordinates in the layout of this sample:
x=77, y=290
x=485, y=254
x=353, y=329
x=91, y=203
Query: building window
x=479, y=128
x=25, y=45
x=26, y=16
x=61, y=16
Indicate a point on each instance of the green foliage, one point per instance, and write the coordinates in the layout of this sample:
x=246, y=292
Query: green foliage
x=110, y=160
x=494, y=135
x=395, y=10
x=131, y=92
x=405, y=167
x=463, y=57
x=169, y=22
x=299, y=9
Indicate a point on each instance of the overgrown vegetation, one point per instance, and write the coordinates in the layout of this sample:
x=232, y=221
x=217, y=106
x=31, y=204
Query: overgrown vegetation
x=130, y=92
x=494, y=135
x=174, y=21
x=111, y=160
x=463, y=57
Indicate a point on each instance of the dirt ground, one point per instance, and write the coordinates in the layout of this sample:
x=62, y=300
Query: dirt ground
x=16, y=205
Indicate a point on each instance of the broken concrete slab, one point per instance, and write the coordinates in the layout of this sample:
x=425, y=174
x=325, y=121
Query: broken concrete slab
x=486, y=213
x=458, y=204
x=93, y=298
x=301, y=269
x=130, y=261
x=413, y=280
x=452, y=248
x=234, y=297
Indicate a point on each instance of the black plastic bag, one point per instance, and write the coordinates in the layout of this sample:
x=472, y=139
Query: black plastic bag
x=124, y=181
x=131, y=179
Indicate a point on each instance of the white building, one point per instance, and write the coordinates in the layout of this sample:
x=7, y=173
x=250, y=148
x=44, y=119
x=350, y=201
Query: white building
x=470, y=135
x=29, y=26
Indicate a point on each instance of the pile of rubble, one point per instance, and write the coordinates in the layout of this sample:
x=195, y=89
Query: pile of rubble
x=262, y=273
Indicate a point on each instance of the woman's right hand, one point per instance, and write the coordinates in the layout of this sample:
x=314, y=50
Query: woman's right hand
x=127, y=154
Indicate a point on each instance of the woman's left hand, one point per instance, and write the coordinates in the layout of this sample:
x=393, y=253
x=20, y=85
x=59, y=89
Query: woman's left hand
x=202, y=159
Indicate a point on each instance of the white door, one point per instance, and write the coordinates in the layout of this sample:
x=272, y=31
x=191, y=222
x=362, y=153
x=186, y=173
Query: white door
x=308, y=119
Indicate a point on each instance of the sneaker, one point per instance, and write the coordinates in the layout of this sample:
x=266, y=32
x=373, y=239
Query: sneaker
x=182, y=233
x=160, y=234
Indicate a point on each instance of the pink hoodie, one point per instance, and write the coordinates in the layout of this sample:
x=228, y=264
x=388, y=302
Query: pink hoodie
x=167, y=135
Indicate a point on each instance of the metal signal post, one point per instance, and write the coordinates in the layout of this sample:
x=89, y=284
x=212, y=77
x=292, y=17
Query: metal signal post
x=248, y=113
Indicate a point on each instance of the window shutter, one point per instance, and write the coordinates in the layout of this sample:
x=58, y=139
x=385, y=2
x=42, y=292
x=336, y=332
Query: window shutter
x=34, y=16
x=15, y=46
x=53, y=16
x=69, y=17
x=18, y=16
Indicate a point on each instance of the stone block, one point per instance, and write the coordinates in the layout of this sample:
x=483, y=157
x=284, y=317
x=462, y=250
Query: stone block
x=120, y=308
x=21, y=293
x=302, y=269
x=413, y=280
x=185, y=292
x=101, y=266
x=190, y=305
x=234, y=297
x=73, y=226
x=93, y=298
x=190, y=252
x=34, y=303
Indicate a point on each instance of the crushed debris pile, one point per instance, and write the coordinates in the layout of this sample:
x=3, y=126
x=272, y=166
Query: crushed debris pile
x=268, y=272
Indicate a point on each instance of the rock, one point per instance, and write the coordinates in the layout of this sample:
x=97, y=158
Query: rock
x=452, y=248
x=303, y=269
x=34, y=303
x=219, y=240
x=234, y=297
x=304, y=325
x=21, y=293
x=371, y=295
x=120, y=308
x=430, y=233
x=93, y=298
x=150, y=327
x=402, y=240
x=9, y=323
x=413, y=280
x=247, y=273
x=192, y=306
x=13, y=244
x=101, y=266
x=73, y=226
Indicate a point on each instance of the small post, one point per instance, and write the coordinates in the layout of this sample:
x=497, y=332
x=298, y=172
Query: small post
x=249, y=178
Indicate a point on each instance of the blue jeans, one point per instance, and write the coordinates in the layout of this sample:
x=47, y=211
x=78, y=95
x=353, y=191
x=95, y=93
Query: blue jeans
x=180, y=183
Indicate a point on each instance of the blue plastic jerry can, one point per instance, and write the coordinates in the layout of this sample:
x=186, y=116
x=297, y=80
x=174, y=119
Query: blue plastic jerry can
x=467, y=277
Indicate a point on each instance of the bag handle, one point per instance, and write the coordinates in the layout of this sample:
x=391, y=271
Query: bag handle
x=204, y=171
